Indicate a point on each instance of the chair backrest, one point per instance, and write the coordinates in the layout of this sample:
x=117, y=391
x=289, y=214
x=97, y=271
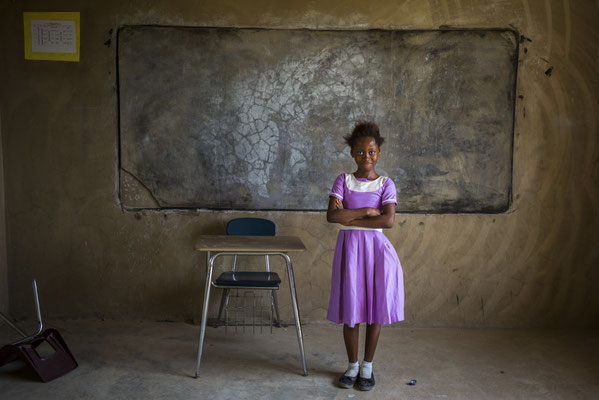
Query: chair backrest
x=251, y=227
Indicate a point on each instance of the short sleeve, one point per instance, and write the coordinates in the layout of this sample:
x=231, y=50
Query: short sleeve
x=337, y=190
x=389, y=194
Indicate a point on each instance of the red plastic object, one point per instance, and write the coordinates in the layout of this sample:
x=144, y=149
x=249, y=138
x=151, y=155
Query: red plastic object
x=49, y=368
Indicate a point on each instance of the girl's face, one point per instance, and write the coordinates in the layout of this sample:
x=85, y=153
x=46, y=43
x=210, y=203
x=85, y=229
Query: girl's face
x=366, y=153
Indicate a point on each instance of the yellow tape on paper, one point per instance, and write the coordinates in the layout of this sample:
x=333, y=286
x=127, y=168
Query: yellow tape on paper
x=51, y=36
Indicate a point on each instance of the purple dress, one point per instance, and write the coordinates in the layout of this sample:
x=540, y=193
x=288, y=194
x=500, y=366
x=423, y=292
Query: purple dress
x=367, y=279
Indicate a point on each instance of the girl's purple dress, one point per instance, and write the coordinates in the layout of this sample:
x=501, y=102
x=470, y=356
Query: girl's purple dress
x=367, y=281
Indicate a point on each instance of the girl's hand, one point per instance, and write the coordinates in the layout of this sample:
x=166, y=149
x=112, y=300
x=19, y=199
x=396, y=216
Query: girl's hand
x=372, y=212
x=339, y=204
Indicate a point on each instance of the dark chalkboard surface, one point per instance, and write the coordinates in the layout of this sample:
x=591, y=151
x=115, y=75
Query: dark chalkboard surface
x=254, y=119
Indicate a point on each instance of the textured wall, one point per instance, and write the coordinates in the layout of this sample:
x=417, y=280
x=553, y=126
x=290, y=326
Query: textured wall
x=533, y=266
x=258, y=115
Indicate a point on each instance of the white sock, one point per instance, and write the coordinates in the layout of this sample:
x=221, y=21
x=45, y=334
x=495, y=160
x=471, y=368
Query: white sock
x=366, y=370
x=352, y=369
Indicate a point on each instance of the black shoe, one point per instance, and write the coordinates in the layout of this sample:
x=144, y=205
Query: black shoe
x=347, y=382
x=366, y=384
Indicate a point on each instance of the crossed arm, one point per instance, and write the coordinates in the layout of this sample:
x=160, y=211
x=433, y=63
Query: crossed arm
x=365, y=217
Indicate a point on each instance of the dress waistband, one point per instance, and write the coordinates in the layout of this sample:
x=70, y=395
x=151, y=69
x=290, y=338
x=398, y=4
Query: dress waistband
x=358, y=228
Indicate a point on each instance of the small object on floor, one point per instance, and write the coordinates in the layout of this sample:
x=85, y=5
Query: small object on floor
x=366, y=384
x=351, y=395
x=412, y=382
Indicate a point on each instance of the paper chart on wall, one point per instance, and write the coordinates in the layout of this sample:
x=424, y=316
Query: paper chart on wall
x=51, y=36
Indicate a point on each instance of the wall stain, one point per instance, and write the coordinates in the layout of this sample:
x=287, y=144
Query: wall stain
x=482, y=307
x=524, y=39
x=109, y=41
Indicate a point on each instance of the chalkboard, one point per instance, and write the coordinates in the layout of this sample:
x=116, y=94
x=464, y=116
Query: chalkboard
x=253, y=119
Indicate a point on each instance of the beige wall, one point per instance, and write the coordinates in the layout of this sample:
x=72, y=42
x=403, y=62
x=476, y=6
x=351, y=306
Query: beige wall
x=535, y=265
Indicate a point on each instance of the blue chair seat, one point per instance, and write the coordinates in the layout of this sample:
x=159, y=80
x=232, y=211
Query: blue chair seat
x=253, y=280
x=249, y=279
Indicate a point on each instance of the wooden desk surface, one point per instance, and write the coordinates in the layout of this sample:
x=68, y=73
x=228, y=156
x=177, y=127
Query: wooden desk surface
x=282, y=244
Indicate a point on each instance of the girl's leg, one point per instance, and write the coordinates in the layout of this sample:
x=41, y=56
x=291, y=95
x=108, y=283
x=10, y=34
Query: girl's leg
x=372, y=338
x=350, y=336
x=366, y=381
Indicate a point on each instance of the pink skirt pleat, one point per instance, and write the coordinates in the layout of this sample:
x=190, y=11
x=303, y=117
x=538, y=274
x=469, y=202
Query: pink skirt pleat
x=367, y=280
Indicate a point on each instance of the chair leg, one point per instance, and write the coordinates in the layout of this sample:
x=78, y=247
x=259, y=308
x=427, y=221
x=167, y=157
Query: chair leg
x=224, y=299
x=276, y=304
x=272, y=311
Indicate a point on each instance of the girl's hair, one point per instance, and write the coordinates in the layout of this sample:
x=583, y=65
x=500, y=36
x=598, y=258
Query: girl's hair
x=364, y=129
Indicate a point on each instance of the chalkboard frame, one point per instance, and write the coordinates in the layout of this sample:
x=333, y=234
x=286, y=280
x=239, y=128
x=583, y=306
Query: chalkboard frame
x=439, y=210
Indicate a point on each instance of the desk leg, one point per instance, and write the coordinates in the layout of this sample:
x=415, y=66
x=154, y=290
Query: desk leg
x=207, y=262
x=210, y=266
x=298, y=325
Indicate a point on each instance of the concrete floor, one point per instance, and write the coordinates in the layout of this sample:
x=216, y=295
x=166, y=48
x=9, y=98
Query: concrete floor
x=156, y=360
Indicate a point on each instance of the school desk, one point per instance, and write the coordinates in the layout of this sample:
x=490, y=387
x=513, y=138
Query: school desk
x=222, y=245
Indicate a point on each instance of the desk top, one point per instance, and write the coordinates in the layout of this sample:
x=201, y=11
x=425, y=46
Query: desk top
x=281, y=244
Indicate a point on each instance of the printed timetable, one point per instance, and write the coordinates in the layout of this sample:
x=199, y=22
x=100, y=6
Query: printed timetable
x=51, y=36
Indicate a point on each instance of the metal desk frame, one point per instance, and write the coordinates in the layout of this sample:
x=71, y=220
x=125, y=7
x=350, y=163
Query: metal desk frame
x=210, y=267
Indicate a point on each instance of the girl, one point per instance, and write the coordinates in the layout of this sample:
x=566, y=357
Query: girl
x=367, y=281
